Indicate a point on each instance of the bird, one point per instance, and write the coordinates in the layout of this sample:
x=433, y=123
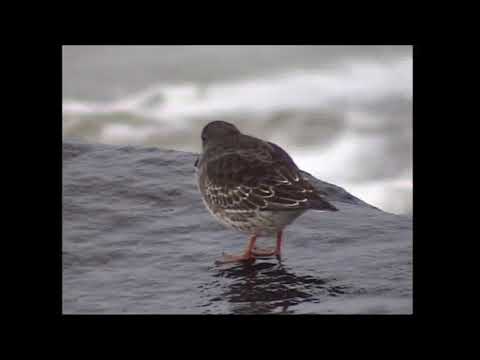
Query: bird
x=252, y=186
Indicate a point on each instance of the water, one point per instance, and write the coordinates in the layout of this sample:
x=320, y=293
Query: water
x=343, y=112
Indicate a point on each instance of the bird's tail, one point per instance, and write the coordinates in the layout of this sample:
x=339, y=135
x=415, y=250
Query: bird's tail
x=321, y=204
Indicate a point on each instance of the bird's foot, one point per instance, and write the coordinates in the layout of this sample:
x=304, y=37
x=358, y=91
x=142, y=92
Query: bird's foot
x=260, y=252
x=248, y=257
x=276, y=252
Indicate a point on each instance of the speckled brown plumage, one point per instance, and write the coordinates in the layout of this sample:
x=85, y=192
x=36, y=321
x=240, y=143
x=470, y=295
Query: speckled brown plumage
x=252, y=185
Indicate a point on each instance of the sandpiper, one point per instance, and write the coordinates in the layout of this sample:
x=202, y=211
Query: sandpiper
x=253, y=186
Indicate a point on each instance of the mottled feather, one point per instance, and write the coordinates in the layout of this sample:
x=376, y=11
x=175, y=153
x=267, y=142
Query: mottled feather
x=258, y=175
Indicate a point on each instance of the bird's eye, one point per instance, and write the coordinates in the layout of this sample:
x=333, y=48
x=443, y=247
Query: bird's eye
x=204, y=138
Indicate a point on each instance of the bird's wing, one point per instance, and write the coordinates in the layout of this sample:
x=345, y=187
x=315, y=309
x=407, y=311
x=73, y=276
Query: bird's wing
x=257, y=179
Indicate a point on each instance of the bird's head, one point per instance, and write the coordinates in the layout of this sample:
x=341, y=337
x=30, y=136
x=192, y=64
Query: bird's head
x=218, y=132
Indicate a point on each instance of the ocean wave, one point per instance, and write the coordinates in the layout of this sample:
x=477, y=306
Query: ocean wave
x=347, y=85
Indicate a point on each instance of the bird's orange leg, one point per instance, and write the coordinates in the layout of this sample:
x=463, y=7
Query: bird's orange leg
x=278, y=249
x=246, y=256
x=276, y=252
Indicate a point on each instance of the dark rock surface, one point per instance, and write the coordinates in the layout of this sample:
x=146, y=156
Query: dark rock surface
x=137, y=239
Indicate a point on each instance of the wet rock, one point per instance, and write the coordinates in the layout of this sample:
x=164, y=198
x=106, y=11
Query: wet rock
x=137, y=239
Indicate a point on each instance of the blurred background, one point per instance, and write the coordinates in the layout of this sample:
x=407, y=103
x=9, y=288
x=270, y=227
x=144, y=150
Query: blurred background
x=344, y=113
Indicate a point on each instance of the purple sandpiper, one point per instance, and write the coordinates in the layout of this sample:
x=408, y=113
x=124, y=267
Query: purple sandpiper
x=252, y=186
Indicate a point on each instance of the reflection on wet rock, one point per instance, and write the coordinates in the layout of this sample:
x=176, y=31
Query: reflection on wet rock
x=267, y=287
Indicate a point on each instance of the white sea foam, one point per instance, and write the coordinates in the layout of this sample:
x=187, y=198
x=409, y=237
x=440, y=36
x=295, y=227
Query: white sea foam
x=349, y=84
x=342, y=161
